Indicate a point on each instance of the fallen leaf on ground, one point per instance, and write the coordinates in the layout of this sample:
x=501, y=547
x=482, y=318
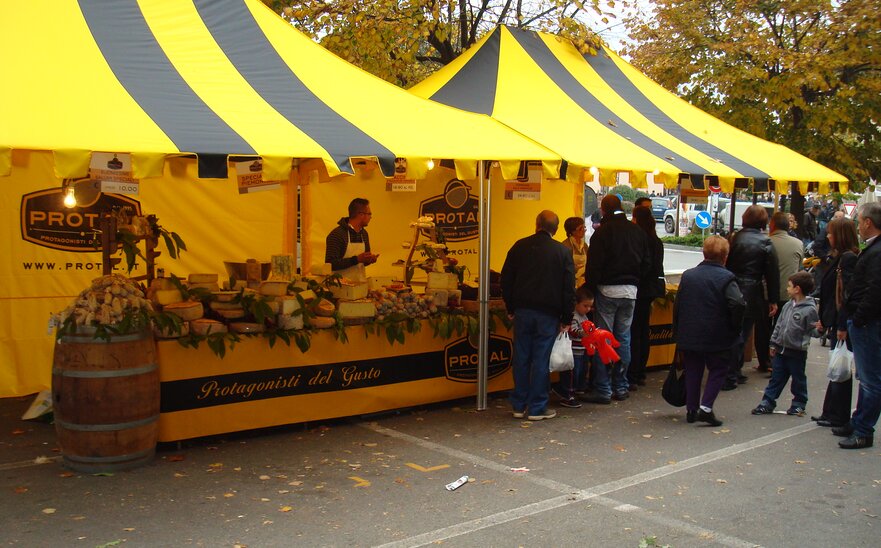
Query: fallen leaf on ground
x=295, y=483
x=48, y=510
x=41, y=460
x=267, y=522
x=721, y=481
x=20, y=490
x=619, y=448
x=66, y=475
x=216, y=465
x=128, y=528
x=801, y=462
x=264, y=499
x=285, y=509
x=646, y=436
x=17, y=432
x=264, y=477
x=520, y=469
x=229, y=495
x=175, y=458
x=179, y=475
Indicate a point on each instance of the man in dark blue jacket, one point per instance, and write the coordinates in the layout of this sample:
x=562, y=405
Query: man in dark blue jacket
x=538, y=286
x=863, y=303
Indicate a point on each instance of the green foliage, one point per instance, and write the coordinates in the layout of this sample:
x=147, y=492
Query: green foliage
x=403, y=41
x=803, y=73
x=692, y=240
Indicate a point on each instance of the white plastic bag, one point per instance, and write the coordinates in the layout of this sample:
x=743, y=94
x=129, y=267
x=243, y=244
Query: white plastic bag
x=840, y=363
x=561, y=354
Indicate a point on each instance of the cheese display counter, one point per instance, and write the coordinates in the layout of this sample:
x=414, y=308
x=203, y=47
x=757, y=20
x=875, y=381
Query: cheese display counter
x=256, y=386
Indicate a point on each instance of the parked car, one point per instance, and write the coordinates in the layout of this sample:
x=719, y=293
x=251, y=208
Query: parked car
x=660, y=205
x=691, y=211
x=725, y=215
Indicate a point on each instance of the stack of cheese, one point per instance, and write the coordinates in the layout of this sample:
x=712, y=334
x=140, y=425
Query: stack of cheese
x=444, y=288
x=203, y=281
x=163, y=292
x=275, y=294
x=352, y=301
x=324, y=311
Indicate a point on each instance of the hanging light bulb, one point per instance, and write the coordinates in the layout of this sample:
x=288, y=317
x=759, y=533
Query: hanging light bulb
x=430, y=165
x=656, y=172
x=594, y=170
x=69, y=197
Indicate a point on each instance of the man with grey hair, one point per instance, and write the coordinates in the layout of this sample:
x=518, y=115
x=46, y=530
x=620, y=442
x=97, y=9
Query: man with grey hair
x=538, y=286
x=863, y=304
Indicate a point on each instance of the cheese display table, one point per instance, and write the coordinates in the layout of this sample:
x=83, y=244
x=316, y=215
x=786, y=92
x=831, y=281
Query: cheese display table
x=255, y=386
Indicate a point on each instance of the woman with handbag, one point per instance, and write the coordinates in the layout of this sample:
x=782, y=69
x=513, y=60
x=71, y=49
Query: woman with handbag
x=844, y=248
x=706, y=326
x=650, y=288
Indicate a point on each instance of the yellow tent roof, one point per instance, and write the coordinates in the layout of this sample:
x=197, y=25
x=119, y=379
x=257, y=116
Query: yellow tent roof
x=599, y=111
x=214, y=77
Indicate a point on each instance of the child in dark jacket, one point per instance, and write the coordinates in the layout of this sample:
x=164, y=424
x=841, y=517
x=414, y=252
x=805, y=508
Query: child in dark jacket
x=789, y=346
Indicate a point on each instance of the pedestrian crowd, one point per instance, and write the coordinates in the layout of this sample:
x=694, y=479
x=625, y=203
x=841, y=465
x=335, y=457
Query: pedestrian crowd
x=749, y=286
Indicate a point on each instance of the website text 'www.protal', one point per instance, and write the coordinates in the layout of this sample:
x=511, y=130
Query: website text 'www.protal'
x=87, y=267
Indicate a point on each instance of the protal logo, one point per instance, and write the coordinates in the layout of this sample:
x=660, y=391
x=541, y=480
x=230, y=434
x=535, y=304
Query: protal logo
x=461, y=357
x=46, y=222
x=455, y=212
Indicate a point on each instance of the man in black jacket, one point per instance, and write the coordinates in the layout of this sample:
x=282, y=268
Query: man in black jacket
x=753, y=260
x=863, y=303
x=538, y=286
x=618, y=259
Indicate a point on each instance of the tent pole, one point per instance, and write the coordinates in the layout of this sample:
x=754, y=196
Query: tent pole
x=483, y=288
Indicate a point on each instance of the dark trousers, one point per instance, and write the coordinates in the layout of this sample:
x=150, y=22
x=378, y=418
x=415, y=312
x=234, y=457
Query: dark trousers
x=695, y=363
x=788, y=366
x=756, y=313
x=640, y=344
x=837, y=403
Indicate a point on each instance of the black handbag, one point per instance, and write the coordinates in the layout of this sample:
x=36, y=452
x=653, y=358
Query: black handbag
x=673, y=390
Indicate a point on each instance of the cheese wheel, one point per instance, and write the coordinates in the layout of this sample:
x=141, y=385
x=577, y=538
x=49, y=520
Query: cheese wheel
x=202, y=279
x=274, y=288
x=187, y=310
x=167, y=296
x=207, y=327
x=322, y=323
x=246, y=327
x=210, y=286
x=324, y=308
x=364, y=308
x=224, y=306
x=224, y=296
x=161, y=283
x=231, y=313
x=273, y=305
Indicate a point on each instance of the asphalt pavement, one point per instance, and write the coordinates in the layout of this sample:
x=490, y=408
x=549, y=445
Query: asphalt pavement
x=632, y=473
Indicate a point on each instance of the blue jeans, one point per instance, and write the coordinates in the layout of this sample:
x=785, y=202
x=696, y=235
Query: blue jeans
x=867, y=356
x=616, y=315
x=786, y=366
x=569, y=380
x=599, y=373
x=534, y=334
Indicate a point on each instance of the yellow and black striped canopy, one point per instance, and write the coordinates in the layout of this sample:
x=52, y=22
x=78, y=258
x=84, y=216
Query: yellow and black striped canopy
x=213, y=78
x=599, y=111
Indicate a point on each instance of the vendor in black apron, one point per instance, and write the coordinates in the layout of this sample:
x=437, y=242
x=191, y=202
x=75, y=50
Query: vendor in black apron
x=348, y=246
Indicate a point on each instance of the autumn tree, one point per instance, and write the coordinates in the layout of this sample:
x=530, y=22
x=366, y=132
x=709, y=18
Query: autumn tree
x=802, y=73
x=404, y=41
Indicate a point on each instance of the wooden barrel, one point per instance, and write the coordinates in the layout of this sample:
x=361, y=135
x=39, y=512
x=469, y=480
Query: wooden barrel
x=105, y=396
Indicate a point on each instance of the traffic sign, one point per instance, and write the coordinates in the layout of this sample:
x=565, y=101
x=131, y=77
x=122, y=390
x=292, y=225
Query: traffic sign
x=715, y=189
x=849, y=208
x=703, y=219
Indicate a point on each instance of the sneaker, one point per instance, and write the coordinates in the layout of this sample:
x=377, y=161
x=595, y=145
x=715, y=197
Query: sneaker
x=620, y=396
x=763, y=409
x=856, y=442
x=796, y=411
x=571, y=403
x=546, y=414
x=519, y=414
x=596, y=398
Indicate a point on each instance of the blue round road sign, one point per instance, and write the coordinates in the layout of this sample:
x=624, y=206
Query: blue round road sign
x=703, y=219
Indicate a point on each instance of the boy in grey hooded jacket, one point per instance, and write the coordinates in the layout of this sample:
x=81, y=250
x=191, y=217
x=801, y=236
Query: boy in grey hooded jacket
x=789, y=346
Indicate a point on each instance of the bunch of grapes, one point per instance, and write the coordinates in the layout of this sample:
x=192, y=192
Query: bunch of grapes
x=408, y=304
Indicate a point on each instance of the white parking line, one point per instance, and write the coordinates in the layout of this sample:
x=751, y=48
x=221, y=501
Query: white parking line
x=573, y=494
